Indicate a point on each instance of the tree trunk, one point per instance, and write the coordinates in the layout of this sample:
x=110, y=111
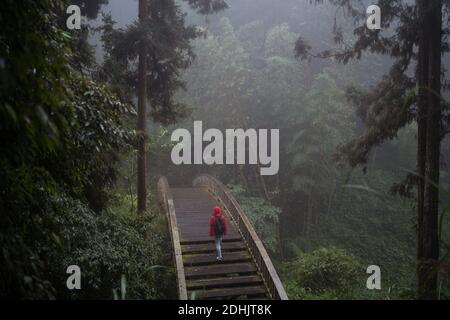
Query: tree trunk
x=142, y=111
x=243, y=177
x=428, y=288
x=332, y=193
x=257, y=188
x=422, y=83
x=264, y=187
x=428, y=244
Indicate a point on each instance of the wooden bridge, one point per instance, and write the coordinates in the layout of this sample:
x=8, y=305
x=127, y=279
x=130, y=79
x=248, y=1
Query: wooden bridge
x=246, y=270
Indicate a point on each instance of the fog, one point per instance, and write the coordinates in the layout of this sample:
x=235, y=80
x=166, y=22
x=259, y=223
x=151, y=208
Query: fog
x=323, y=125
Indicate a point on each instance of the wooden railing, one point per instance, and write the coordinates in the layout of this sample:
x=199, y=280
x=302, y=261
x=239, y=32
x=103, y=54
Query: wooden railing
x=245, y=228
x=166, y=201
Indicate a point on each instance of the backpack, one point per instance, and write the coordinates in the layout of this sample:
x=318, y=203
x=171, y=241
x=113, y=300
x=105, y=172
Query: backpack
x=219, y=227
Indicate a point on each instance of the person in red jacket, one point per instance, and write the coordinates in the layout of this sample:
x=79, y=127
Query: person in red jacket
x=218, y=229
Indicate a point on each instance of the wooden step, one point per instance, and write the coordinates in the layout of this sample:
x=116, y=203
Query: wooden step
x=193, y=238
x=229, y=292
x=223, y=282
x=210, y=247
x=219, y=269
x=210, y=258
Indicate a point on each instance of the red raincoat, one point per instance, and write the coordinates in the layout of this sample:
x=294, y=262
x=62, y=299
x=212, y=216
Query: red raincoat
x=212, y=221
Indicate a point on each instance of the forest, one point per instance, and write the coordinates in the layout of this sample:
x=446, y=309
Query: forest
x=88, y=115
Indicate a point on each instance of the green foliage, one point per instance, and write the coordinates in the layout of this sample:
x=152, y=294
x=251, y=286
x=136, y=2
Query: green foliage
x=243, y=76
x=375, y=226
x=98, y=137
x=263, y=216
x=207, y=6
x=63, y=137
x=368, y=222
x=107, y=247
x=313, y=174
x=247, y=76
x=34, y=104
x=326, y=273
x=33, y=54
x=167, y=38
x=89, y=8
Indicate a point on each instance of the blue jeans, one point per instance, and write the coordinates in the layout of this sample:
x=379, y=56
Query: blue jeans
x=218, y=241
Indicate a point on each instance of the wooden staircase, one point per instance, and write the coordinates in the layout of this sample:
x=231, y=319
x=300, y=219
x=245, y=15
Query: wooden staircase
x=200, y=275
x=236, y=276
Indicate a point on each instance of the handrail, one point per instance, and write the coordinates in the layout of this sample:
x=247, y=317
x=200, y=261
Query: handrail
x=245, y=228
x=166, y=201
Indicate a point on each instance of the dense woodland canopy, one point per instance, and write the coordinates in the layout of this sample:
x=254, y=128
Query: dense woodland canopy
x=364, y=152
